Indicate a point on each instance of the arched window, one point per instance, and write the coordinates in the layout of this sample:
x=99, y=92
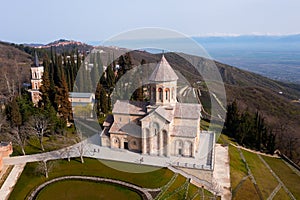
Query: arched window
x=155, y=128
x=178, y=147
x=160, y=94
x=167, y=94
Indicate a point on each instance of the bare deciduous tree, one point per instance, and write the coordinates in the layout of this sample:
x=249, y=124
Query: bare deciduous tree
x=39, y=125
x=66, y=152
x=81, y=144
x=10, y=84
x=44, y=167
x=2, y=120
x=18, y=135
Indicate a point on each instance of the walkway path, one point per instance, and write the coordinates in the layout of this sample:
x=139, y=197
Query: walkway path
x=274, y=192
x=10, y=181
x=221, y=172
x=143, y=191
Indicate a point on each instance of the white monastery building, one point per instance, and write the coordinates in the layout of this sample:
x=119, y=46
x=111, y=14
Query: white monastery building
x=161, y=127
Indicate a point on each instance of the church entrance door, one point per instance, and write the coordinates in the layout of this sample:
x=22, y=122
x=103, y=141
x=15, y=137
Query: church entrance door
x=126, y=145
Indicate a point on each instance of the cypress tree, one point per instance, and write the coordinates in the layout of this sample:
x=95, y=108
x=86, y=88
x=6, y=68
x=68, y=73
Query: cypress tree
x=13, y=113
x=101, y=100
x=95, y=76
x=110, y=77
x=63, y=105
x=232, y=119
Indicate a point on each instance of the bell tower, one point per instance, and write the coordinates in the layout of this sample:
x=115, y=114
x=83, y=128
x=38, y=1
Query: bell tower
x=36, y=80
x=163, y=84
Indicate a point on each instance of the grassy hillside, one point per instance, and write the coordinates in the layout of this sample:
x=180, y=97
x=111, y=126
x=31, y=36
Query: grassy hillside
x=14, y=67
x=271, y=176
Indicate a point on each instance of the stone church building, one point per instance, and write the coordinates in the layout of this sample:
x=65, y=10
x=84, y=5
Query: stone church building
x=162, y=127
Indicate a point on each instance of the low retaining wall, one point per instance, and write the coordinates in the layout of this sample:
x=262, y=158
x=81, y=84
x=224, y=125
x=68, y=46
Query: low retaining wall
x=142, y=191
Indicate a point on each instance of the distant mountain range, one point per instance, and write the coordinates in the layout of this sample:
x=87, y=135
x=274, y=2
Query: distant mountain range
x=62, y=45
x=276, y=57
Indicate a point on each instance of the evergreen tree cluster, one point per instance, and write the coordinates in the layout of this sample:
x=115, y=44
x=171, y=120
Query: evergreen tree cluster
x=62, y=74
x=248, y=129
x=59, y=75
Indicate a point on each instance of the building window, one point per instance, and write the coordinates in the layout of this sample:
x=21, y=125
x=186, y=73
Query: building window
x=167, y=94
x=160, y=94
x=120, y=119
x=134, y=143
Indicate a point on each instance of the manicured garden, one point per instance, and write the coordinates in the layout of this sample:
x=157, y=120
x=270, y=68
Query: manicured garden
x=243, y=188
x=287, y=176
x=30, y=179
x=264, y=179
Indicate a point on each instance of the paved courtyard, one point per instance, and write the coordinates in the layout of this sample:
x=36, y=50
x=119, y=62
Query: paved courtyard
x=204, y=158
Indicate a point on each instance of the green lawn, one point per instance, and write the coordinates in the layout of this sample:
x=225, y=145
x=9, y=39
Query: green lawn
x=238, y=171
x=287, y=176
x=281, y=195
x=237, y=168
x=247, y=191
x=75, y=189
x=179, y=181
x=51, y=143
x=92, y=167
x=195, y=190
x=264, y=179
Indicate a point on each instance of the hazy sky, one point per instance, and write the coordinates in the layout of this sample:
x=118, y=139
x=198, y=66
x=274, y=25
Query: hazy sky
x=41, y=21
